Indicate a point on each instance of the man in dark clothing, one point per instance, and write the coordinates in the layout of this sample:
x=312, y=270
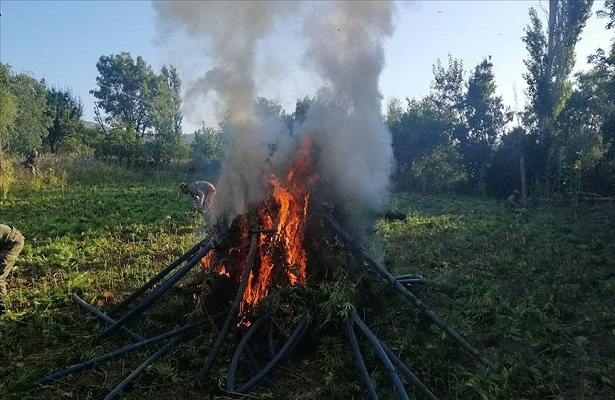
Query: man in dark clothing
x=11, y=243
x=31, y=162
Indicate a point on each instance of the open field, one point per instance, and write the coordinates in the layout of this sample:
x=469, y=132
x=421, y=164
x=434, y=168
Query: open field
x=534, y=292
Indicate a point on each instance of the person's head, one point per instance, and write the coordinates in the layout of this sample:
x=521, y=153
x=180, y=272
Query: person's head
x=35, y=153
x=183, y=187
x=517, y=193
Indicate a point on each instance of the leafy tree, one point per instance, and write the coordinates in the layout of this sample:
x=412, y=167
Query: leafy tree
x=440, y=170
x=301, y=108
x=8, y=106
x=173, y=81
x=599, y=85
x=415, y=132
x=507, y=165
x=124, y=91
x=31, y=120
x=165, y=131
x=549, y=65
x=551, y=59
x=447, y=87
x=578, y=144
x=137, y=100
x=486, y=118
x=207, y=150
x=65, y=111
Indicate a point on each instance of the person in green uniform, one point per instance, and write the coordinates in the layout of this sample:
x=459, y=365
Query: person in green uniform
x=11, y=243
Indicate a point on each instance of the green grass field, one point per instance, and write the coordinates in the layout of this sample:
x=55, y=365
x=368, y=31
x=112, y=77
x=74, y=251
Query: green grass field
x=534, y=292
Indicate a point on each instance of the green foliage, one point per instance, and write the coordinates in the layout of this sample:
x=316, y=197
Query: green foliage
x=31, y=121
x=65, y=111
x=124, y=91
x=121, y=145
x=415, y=132
x=551, y=59
x=143, y=109
x=440, y=170
x=207, y=150
x=7, y=174
x=7, y=105
x=486, y=118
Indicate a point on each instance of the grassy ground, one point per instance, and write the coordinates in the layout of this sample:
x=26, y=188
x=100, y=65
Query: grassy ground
x=533, y=292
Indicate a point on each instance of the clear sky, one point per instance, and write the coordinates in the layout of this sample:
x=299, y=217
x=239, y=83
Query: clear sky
x=61, y=41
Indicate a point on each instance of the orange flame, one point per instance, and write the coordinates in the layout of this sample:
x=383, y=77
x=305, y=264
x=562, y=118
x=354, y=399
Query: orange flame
x=281, y=255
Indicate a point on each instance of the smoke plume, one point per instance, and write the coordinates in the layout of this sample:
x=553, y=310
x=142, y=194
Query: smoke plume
x=354, y=157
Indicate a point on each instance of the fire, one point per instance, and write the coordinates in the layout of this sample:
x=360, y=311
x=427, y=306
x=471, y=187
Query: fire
x=281, y=256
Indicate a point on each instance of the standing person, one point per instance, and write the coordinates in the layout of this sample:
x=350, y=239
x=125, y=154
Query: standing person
x=11, y=243
x=202, y=192
x=31, y=162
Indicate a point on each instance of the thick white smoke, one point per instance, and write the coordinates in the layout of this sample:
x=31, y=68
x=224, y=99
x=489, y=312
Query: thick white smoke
x=356, y=156
x=344, y=47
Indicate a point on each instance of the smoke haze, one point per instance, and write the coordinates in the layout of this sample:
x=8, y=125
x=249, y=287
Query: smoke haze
x=344, y=46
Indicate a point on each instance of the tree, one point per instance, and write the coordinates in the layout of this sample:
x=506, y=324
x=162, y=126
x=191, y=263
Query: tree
x=486, y=118
x=31, y=120
x=140, y=102
x=440, y=170
x=599, y=85
x=8, y=105
x=550, y=62
x=65, y=111
x=447, y=86
x=578, y=142
x=207, y=150
x=174, y=83
x=415, y=132
x=551, y=59
x=124, y=91
x=163, y=133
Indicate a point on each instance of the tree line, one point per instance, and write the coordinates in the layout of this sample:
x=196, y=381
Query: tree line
x=459, y=138
x=138, y=118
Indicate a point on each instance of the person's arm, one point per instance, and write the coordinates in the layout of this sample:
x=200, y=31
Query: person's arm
x=200, y=198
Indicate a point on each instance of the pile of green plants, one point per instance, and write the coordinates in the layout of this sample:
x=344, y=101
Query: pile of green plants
x=532, y=291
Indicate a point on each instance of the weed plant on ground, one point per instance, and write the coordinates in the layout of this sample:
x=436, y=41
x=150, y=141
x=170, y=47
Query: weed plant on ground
x=532, y=291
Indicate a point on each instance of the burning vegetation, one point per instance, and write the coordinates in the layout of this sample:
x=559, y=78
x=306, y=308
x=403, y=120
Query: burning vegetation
x=281, y=223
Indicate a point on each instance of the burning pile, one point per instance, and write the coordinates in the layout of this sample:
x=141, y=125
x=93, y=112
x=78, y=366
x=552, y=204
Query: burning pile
x=281, y=222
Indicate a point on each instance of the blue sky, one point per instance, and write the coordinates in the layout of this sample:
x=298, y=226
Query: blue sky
x=61, y=41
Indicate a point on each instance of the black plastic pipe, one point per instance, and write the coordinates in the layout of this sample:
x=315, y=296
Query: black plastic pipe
x=388, y=365
x=161, y=352
x=361, y=363
x=138, y=310
x=213, y=354
x=120, y=306
x=298, y=334
x=406, y=293
x=232, y=372
x=408, y=373
x=257, y=366
x=105, y=317
x=118, y=352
